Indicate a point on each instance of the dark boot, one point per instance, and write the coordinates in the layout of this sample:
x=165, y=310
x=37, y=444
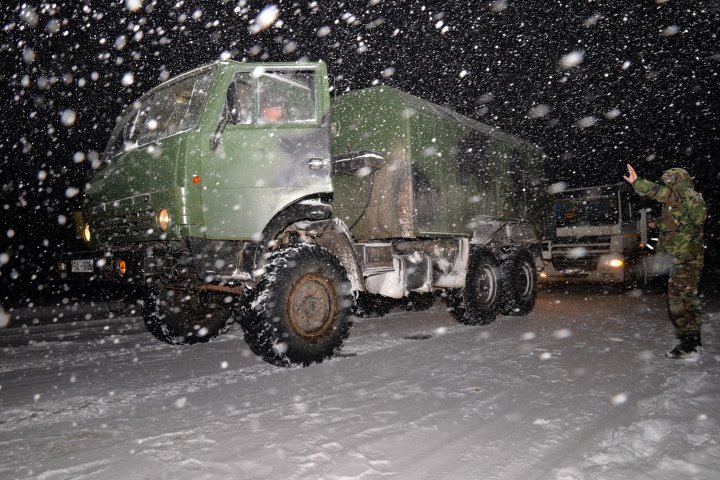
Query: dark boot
x=688, y=344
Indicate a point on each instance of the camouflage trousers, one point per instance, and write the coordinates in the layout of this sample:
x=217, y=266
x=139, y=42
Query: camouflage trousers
x=683, y=301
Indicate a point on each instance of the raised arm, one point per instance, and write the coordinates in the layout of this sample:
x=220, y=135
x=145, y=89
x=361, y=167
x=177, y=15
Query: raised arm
x=657, y=192
x=631, y=176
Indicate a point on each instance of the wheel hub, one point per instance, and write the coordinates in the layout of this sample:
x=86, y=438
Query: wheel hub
x=311, y=305
x=525, y=280
x=486, y=285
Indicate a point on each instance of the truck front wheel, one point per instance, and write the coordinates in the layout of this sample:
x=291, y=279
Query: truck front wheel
x=180, y=318
x=518, y=290
x=476, y=303
x=298, y=313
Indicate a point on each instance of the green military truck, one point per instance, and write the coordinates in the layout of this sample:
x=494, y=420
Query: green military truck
x=238, y=192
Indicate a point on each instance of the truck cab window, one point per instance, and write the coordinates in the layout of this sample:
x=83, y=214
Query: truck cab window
x=287, y=97
x=586, y=210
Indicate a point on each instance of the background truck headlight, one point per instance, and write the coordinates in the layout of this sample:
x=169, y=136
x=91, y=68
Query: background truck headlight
x=86, y=233
x=615, y=262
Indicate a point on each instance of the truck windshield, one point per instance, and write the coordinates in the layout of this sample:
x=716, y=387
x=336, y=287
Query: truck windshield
x=168, y=110
x=588, y=211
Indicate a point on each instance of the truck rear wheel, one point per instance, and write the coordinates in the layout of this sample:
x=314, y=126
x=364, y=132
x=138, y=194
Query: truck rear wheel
x=299, y=311
x=518, y=282
x=179, y=318
x=476, y=303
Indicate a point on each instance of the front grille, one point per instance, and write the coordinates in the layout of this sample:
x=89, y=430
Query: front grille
x=582, y=240
x=578, y=248
x=140, y=224
x=587, y=263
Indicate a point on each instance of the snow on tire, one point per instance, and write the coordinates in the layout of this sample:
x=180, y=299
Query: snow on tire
x=476, y=303
x=177, y=318
x=299, y=311
x=518, y=282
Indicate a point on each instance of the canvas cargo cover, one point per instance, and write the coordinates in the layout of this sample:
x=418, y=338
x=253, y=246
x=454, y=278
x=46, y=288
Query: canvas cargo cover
x=442, y=172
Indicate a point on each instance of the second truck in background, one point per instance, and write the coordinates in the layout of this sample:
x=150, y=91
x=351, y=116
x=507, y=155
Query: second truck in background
x=602, y=234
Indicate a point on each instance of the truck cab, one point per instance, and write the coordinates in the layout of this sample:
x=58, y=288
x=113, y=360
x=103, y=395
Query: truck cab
x=600, y=235
x=226, y=141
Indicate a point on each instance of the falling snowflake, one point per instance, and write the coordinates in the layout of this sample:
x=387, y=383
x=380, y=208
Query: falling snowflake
x=133, y=5
x=128, y=79
x=539, y=111
x=265, y=19
x=572, y=59
x=68, y=117
x=587, y=122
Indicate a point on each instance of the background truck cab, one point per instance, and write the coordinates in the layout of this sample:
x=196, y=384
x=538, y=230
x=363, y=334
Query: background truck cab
x=601, y=234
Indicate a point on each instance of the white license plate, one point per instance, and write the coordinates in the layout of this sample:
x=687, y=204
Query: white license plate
x=81, y=266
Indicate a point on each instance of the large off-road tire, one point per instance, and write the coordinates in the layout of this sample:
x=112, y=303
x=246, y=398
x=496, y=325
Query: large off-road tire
x=518, y=282
x=454, y=299
x=476, y=303
x=116, y=297
x=368, y=305
x=298, y=313
x=179, y=318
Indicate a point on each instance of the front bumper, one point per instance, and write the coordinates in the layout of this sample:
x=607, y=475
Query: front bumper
x=601, y=274
x=117, y=266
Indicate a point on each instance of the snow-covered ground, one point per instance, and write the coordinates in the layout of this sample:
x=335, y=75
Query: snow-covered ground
x=579, y=389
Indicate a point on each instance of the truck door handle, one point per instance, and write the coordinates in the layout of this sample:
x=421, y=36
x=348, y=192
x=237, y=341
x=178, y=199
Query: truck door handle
x=316, y=163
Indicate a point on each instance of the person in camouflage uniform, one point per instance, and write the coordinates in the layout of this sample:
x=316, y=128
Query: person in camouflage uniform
x=681, y=235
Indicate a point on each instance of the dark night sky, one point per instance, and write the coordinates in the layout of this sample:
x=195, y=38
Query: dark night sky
x=645, y=90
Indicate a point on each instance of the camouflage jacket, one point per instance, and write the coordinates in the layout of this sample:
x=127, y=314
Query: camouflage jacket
x=683, y=215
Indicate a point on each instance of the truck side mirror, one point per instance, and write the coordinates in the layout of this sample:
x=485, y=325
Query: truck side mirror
x=216, y=139
x=225, y=116
x=231, y=104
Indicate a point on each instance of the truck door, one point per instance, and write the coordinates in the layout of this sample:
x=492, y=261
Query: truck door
x=271, y=149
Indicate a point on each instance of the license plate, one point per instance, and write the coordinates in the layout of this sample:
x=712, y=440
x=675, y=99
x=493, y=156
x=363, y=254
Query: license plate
x=81, y=266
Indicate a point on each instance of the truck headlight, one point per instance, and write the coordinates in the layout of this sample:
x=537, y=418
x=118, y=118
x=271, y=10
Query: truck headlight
x=86, y=233
x=163, y=219
x=616, y=263
x=122, y=267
